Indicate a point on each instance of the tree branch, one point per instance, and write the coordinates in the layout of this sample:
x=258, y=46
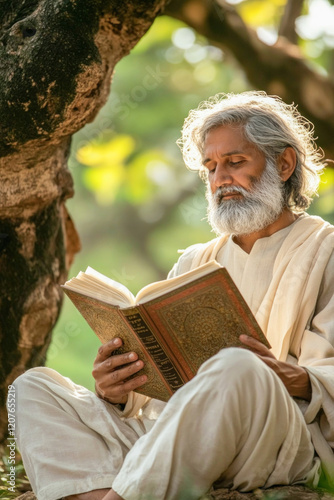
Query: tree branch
x=278, y=69
x=293, y=9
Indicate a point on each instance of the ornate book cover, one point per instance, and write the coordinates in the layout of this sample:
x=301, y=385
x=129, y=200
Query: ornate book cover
x=177, y=332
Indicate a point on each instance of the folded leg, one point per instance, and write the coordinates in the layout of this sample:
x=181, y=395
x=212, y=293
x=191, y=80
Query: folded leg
x=70, y=440
x=234, y=422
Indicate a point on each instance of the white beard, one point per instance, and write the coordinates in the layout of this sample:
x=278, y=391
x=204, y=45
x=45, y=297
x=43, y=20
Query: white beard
x=257, y=209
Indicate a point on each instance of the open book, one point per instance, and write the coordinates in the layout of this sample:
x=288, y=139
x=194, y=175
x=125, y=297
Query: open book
x=174, y=325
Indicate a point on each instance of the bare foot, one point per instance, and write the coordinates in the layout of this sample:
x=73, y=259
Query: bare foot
x=112, y=495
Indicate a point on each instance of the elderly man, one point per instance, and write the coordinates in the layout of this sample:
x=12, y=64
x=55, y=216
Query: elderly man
x=249, y=418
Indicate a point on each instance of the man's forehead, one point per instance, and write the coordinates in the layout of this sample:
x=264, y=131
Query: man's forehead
x=228, y=139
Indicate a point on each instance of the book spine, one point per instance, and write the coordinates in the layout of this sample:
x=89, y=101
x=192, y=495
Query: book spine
x=155, y=350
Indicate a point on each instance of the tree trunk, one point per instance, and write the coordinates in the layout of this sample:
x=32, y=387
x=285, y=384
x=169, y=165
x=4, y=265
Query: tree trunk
x=56, y=60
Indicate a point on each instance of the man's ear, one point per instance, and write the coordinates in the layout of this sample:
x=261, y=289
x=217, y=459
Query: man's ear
x=287, y=163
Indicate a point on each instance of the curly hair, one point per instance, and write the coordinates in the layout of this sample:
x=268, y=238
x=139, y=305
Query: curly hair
x=268, y=123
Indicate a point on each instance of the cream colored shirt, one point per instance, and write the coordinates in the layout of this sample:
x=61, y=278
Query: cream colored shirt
x=252, y=272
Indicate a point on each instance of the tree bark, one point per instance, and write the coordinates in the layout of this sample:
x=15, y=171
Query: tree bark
x=279, y=69
x=56, y=61
x=287, y=28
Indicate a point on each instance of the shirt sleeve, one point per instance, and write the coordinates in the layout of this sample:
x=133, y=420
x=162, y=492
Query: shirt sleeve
x=134, y=403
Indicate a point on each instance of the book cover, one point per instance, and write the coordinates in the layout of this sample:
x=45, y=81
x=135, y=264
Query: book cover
x=175, y=333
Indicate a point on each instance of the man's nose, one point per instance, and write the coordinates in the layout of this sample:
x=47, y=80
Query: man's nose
x=222, y=176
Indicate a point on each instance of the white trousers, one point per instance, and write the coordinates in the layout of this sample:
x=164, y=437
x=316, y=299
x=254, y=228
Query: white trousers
x=234, y=422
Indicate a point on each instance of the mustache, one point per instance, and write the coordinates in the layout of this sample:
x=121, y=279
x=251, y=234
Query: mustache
x=224, y=190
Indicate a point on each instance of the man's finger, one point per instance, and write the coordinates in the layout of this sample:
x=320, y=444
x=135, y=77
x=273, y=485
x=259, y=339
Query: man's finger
x=130, y=385
x=108, y=348
x=272, y=363
x=256, y=346
x=114, y=362
x=123, y=373
x=117, y=392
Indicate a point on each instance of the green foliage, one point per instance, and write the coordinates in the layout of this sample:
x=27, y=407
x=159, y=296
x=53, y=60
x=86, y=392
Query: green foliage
x=324, y=204
x=107, y=159
x=313, y=27
x=114, y=173
x=160, y=31
x=257, y=13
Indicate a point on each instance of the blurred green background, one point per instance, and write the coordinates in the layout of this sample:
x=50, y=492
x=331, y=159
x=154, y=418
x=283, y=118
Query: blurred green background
x=135, y=203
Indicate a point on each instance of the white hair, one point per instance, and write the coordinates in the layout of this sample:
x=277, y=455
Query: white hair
x=268, y=123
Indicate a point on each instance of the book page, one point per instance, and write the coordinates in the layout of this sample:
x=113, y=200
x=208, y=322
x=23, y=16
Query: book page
x=95, y=285
x=154, y=290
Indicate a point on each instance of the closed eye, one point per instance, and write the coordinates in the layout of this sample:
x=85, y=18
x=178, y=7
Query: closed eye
x=235, y=163
x=211, y=166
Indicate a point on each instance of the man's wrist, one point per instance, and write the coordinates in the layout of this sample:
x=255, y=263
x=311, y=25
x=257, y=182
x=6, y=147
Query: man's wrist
x=303, y=385
x=307, y=392
x=119, y=406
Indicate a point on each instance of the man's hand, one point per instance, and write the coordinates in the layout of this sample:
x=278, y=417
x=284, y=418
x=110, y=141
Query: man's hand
x=112, y=371
x=294, y=377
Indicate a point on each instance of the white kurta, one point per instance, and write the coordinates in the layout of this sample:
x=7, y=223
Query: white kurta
x=235, y=419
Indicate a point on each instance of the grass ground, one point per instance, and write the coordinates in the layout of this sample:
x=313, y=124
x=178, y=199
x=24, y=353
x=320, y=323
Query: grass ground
x=7, y=491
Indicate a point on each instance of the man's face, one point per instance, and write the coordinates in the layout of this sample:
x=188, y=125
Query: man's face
x=244, y=190
x=231, y=160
